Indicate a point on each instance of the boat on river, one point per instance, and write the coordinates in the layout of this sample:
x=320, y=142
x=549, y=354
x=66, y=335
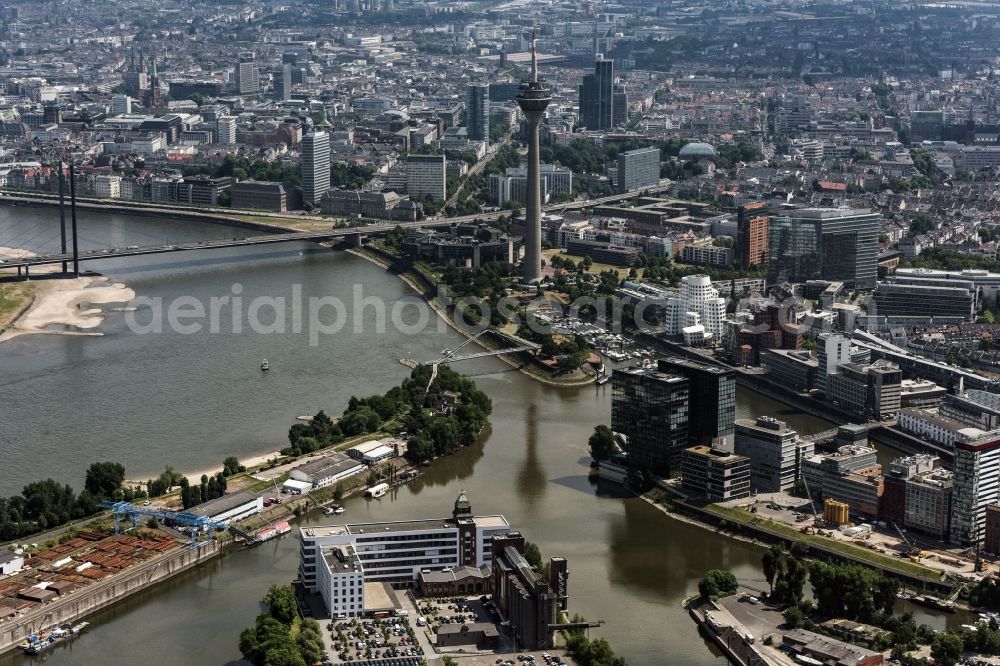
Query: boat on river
x=265, y=366
x=36, y=644
x=273, y=531
x=336, y=509
x=377, y=491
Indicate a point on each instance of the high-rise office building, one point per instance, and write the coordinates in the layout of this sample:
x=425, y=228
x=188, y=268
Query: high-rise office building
x=751, y=231
x=315, y=167
x=225, y=130
x=926, y=126
x=619, y=106
x=638, y=168
x=477, y=112
x=597, y=96
x=650, y=409
x=247, y=76
x=282, y=79
x=715, y=474
x=121, y=104
x=426, y=175
x=712, y=390
x=775, y=451
x=832, y=350
x=975, y=486
x=834, y=244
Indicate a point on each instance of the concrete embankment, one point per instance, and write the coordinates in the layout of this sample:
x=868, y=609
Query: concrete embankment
x=102, y=594
x=728, y=639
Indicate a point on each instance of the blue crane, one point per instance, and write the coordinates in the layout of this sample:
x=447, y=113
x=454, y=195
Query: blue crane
x=131, y=512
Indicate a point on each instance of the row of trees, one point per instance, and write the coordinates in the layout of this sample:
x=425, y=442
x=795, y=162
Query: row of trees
x=211, y=487
x=270, y=642
x=47, y=504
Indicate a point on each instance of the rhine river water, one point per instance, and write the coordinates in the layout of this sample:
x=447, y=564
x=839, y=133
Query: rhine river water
x=189, y=400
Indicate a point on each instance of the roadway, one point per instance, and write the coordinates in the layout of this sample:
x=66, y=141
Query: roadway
x=480, y=164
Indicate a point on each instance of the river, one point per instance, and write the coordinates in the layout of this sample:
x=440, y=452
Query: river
x=189, y=400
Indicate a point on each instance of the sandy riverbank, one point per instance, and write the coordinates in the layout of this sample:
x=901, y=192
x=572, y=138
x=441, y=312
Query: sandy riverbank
x=68, y=302
x=195, y=476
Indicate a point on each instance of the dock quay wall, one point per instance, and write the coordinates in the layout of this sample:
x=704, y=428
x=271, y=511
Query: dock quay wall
x=69, y=608
x=733, y=645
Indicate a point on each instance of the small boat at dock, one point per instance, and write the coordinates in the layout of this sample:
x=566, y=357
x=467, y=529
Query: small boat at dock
x=36, y=644
x=273, y=531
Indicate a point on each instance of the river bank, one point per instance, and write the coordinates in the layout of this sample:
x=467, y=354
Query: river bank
x=523, y=368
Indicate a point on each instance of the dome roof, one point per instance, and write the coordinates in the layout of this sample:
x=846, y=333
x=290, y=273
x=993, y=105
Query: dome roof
x=697, y=150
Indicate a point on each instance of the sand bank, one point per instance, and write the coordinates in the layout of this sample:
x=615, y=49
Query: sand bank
x=69, y=302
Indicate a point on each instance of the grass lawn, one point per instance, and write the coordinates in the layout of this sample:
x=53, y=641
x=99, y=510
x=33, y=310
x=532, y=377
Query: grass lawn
x=595, y=267
x=13, y=297
x=865, y=554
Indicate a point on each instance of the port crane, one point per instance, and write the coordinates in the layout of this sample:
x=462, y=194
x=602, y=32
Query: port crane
x=130, y=512
x=812, y=504
x=911, y=550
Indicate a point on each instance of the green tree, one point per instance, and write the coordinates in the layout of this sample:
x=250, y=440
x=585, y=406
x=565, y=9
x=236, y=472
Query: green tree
x=284, y=654
x=717, y=583
x=601, y=443
x=281, y=603
x=947, y=649
x=793, y=617
x=231, y=466
x=533, y=555
x=104, y=479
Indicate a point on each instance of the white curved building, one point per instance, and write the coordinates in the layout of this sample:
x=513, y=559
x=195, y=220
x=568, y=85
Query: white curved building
x=697, y=297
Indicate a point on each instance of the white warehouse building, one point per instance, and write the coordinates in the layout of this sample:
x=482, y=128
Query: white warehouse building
x=327, y=470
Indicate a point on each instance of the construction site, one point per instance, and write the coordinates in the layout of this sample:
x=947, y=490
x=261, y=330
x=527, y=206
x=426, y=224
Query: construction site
x=832, y=520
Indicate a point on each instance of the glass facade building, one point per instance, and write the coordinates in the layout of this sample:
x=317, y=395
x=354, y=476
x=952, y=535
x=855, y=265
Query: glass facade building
x=833, y=244
x=597, y=96
x=477, y=112
x=712, y=394
x=651, y=409
x=975, y=486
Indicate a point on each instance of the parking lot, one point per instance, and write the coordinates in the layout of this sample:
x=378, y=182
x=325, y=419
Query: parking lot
x=459, y=610
x=357, y=640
